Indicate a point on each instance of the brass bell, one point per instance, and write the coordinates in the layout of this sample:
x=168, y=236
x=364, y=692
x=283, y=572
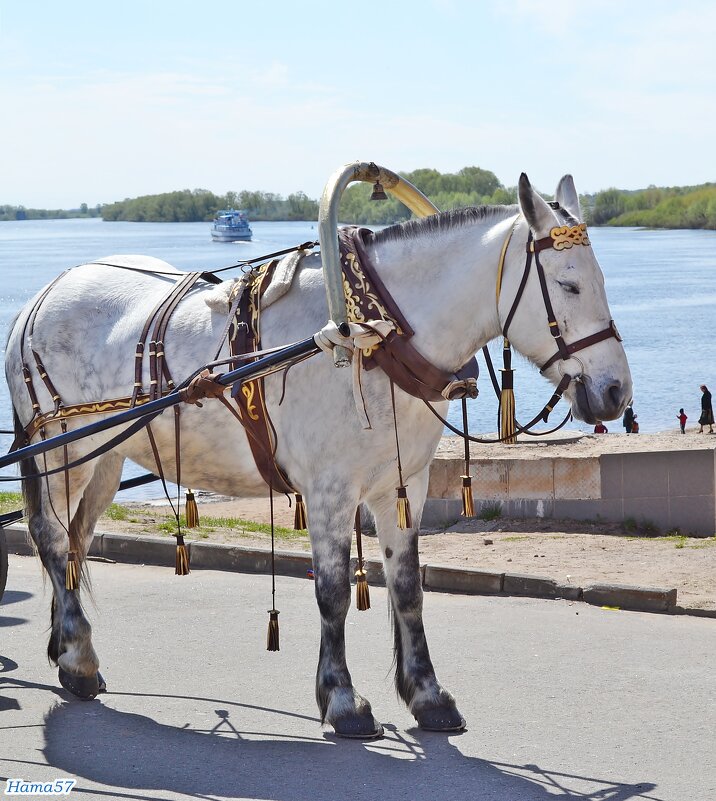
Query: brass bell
x=378, y=192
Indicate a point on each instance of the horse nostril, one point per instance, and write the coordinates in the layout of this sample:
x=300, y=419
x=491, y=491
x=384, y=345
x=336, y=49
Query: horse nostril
x=614, y=393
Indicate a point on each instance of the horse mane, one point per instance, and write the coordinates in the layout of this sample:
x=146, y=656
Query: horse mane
x=443, y=221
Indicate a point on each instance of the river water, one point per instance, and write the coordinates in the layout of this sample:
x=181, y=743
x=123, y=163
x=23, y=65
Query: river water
x=661, y=287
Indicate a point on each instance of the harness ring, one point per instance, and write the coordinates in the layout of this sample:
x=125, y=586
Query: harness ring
x=560, y=368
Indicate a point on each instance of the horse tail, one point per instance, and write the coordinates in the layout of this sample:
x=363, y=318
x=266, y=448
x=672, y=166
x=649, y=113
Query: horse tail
x=32, y=499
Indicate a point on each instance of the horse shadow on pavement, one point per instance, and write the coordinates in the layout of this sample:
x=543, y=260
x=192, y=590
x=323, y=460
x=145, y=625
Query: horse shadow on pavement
x=133, y=753
x=12, y=597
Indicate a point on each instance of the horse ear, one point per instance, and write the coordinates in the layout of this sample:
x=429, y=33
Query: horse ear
x=537, y=213
x=567, y=197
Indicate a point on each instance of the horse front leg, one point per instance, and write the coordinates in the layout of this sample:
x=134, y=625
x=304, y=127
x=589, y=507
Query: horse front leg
x=416, y=683
x=330, y=522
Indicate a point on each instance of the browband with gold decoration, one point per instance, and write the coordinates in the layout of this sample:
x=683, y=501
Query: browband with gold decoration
x=563, y=237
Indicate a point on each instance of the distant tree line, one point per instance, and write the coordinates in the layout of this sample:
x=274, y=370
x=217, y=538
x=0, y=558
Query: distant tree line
x=665, y=207
x=201, y=205
x=21, y=213
x=471, y=186
x=668, y=207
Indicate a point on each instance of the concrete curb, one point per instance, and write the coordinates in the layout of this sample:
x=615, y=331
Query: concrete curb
x=438, y=578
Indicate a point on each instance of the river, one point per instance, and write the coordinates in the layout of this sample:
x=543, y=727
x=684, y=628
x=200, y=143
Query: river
x=661, y=287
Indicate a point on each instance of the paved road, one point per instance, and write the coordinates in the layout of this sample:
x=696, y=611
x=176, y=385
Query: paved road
x=562, y=700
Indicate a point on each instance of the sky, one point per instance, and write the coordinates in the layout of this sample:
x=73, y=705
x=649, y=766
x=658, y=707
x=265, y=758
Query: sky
x=102, y=101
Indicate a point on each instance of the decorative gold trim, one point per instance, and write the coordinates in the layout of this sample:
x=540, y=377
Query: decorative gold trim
x=565, y=237
x=501, y=262
x=354, y=302
x=248, y=390
x=82, y=410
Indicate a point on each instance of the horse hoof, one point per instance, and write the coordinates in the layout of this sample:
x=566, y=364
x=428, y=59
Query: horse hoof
x=102, y=683
x=358, y=727
x=84, y=687
x=440, y=719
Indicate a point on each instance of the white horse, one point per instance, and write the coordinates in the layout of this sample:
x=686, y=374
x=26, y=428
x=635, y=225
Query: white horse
x=442, y=271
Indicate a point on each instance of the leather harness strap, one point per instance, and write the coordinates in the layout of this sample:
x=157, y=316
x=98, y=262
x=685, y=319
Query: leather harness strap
x=560, y=238
x=244, y=338
x=160, y=316
x=366, y=296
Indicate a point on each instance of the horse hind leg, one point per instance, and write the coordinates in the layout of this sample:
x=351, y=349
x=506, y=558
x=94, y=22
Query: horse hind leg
x=70, y=644
x=330, y=526
x=430, y=703
x=97, y=496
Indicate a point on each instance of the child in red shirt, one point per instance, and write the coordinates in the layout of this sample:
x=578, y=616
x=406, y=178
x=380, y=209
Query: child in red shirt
x=682, y=418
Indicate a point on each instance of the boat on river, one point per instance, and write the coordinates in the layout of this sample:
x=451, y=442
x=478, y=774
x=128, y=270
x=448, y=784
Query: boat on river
x=231, y=225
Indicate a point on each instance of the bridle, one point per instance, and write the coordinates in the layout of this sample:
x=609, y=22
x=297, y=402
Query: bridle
x=560, y=238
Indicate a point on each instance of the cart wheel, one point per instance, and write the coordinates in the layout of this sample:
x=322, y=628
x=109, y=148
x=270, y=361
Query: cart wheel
x=3, y=562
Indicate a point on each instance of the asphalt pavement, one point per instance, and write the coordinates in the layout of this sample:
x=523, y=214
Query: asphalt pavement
x=563, y=700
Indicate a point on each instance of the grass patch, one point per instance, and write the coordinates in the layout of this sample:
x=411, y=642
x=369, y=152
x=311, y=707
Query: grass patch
x=706, y=542
x=116, y=511
x=515, y=538
x=10, y=501
x=237, y=524
x=490, y=511
x=679, y=540
x=642, y=529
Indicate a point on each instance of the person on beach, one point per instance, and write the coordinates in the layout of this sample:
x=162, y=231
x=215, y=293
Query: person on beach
x=634, y=425
x=628, y=419
x=707, y=412
x=600, y=428
x=682, y=418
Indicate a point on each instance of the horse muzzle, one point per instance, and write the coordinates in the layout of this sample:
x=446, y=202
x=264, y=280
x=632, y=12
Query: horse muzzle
x=604, y=401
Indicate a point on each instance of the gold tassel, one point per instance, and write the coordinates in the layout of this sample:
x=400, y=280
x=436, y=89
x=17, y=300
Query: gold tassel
x=468, y=504
x=182, y=558
x=507, y=417
x=272, y=641
x=405, y=519
x=508, y=426
x=299, y=516
x=72, y=572
x=191, y=510
x=362, y=591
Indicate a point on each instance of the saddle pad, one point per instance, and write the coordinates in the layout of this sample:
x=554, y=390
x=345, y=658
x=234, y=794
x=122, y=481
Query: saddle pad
x=220, y=297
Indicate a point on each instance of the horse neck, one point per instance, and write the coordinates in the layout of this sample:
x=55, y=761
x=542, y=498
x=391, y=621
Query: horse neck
x=443, y=277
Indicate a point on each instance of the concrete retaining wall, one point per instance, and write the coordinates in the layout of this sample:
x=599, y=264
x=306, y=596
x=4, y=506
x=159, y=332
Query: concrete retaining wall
x=669, y=489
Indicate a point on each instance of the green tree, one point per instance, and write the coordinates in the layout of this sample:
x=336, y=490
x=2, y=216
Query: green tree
x=607, y=205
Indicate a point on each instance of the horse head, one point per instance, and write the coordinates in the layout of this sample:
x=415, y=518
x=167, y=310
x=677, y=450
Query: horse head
x=559, y=316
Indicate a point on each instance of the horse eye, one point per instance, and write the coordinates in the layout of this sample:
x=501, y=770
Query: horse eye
x=569, y=287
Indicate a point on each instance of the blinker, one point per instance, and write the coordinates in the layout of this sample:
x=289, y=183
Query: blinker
x=378, y=192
